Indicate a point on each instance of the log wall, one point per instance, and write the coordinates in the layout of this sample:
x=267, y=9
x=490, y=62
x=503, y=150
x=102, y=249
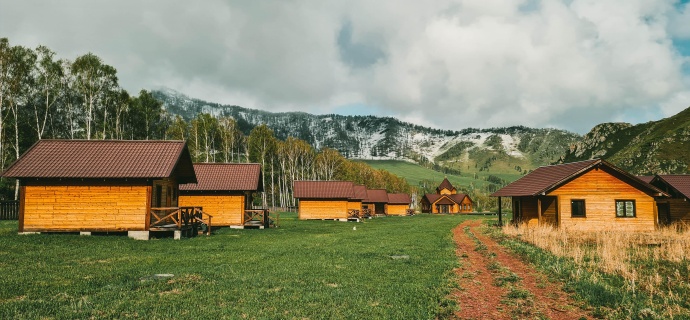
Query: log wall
x=227, y=210
x=680, y=209
x=322, y=209
x=600, y=190
x=84, y=208
x=397, y=209
x=354, y=205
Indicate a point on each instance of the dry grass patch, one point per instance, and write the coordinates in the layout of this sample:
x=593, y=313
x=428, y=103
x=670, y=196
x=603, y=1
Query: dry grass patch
x=652, y=264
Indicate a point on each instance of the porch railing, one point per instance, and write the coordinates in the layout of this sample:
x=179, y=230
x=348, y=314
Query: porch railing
x=9, y=210
x=354, y=213
x=180, y=218
x=260, y=217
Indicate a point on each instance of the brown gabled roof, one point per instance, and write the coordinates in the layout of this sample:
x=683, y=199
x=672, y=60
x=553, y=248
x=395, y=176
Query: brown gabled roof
x=360, y=192
x=679, y=182
x=376, y=195
x=225, y=177
x=547, y=178
x=445, y=184
x=87, y=159
x=323, y=189
x=449, y=198
x=432, y=197
x=445, y=200
x=646, y=179
x=399, y=198
x=458, y=197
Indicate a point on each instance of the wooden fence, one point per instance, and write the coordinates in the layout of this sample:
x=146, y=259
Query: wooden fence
x=9, y=210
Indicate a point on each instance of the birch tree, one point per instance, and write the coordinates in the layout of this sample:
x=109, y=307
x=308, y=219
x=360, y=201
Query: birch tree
x=260, y=146
x=49, y=83
x=92, y=79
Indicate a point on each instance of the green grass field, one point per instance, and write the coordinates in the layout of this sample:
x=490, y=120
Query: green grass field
x=304, y=269
x=415, y=173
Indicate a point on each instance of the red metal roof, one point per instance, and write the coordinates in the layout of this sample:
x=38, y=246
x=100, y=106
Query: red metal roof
x=680, y=182
x=104, y=159
x=225, y=177
x=376, y=195
x=399, y=198
x=360, y=192
x=323, y=189
x=544, y=179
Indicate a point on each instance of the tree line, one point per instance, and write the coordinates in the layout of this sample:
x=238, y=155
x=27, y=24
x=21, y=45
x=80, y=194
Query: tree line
x=43, y=97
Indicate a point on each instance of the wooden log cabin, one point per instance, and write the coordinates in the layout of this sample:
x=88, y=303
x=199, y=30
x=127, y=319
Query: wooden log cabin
x=98, y=185
x=675, y=208
x=447, y=200
x=398, y=204
x=224, y=190
x=376, y=201
x=588, y=195
x=323, y=199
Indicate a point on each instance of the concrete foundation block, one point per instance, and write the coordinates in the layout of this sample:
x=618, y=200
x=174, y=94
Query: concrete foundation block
x=138, y=235
x=27, y=233
x=85, y=233
x=177, y=234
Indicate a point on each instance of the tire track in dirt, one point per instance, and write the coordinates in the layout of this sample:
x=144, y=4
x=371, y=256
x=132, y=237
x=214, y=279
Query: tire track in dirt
x=479, y=297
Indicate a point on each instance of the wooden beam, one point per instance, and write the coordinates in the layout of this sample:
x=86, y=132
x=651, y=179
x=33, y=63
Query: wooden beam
x=22, y=199
x=538, y=210
x=500, y=213
x=147, y=222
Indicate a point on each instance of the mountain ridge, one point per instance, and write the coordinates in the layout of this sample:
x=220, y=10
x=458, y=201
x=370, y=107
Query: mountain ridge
x=515, y=148
x=654, y=147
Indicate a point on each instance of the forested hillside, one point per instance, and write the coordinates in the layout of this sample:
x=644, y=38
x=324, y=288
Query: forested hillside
x=656, y=147
x=43, y=97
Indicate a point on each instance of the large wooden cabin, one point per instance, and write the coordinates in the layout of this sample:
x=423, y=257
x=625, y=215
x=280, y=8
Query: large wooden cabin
x=588, y=195
x=447, y=200
x=323, y=199
x=98, y=185
x=675, y=208
x=376, y=201
x=224, y=190
x=398, y=204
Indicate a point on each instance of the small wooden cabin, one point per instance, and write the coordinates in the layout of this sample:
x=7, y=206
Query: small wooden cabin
x=447, y=200
x=98, y=185
x=223, y=190
x=586, y=195
x=675, y=208
x=323, y=199
x=398, y=204
x=376, y=201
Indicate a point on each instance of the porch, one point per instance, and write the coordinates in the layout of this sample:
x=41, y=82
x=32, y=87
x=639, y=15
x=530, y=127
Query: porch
x=259, y=218
x=183, y=221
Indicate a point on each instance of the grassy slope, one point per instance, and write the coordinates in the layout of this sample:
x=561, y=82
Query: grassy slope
x=305, y=269
x=415, y=174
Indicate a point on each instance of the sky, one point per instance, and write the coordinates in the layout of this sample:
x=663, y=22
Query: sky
x=445, y=64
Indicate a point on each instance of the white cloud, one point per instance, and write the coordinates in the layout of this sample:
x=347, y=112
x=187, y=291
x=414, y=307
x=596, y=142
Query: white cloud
x=448, y=64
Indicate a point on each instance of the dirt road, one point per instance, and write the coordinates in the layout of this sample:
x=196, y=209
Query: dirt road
x=494, y=284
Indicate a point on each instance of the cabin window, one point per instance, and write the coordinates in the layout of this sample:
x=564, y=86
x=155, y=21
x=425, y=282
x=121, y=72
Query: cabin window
x=625, y=208
x=577, y=209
